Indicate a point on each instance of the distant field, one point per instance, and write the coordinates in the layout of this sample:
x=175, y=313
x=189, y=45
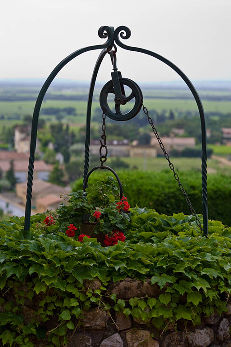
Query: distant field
x=26, y=107
x=221, y=149
x=181, y=164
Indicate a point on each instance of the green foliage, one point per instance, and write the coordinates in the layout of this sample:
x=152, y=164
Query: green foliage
x=10, y=175
x=56, y=176
x=118, y=163
x=49, y=156
x=160, y=191
x=42, y=280
x=74, y=169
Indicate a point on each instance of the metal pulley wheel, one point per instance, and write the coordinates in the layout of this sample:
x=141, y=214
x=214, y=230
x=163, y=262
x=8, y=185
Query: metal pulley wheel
x=121, y=99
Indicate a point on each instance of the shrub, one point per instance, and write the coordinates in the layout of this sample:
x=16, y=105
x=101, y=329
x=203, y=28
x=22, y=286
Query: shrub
x=159, y=190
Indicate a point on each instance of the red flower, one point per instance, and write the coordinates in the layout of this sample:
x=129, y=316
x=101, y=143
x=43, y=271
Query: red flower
x=80, y=238
x=97, y=214
x=113, y=240
x=119, y=235
x=123, y=204
x=71, y=230
x=49, y=220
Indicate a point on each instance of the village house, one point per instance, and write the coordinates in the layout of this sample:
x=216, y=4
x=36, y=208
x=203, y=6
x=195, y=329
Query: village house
x=48, y=202
x=45, y=195
x=142, y=151
x=121, y=148
x=178, y=143
x=177, y=132
x=22, y=139
x=41, y=169
x=116, y=148
x=226, y=136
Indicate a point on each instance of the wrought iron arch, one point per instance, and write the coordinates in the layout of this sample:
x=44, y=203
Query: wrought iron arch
x=113, y=36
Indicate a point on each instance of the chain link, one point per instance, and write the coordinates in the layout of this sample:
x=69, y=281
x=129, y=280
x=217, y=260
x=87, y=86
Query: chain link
x=172, y=168
x=103, y=142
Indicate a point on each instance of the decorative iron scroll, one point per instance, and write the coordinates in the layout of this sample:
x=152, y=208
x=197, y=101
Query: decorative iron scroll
x=113, y=37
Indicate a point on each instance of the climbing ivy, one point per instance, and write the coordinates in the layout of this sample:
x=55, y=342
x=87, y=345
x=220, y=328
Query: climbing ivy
x=45, y=282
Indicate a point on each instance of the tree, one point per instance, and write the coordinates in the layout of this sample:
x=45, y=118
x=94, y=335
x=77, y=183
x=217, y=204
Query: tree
x=171, y=115
x=10, y=175
x=74, y=169
x=144, y=139
x=57, y=175
x=49, y=156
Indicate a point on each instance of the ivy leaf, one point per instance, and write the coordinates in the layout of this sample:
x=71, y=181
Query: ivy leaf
x=113, y=297
x=142, y=304
x=162, y=280
x=76, y=311
x=70, y=325
x=212, y=273
x=39, y=287
x=7, y=337
x=65, y=315
x=127, y=311
x=201, y=283
x=2, y=282
x=194, y=297
x=133, y=301
x=182, y=312
x=35, y=268
x=165, y=298
x=151, y=302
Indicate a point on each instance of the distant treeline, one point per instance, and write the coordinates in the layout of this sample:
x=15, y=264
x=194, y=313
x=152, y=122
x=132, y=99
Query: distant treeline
x=84, y=97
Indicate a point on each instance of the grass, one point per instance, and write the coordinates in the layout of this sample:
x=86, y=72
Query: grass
x=220, y=149
x=181, y=164
x=26, y=107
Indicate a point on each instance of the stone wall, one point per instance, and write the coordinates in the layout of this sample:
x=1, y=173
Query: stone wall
x=114, y=329
x=101, y=329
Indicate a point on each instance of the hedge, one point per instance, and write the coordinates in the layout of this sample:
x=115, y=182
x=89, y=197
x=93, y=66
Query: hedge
x=159, y=191
x=43, y=295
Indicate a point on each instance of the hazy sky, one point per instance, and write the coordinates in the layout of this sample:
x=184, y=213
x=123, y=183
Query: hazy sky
x=195, y=34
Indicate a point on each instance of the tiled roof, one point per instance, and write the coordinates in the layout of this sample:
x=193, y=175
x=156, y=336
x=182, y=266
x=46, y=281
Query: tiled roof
x=175, y=141
x=12, y=155
x=48, y=200
x=22, y=165
x=41, y=187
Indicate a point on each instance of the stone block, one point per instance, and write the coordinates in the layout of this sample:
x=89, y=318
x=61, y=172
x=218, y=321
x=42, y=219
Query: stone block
x=112, y=341
x=140, y=338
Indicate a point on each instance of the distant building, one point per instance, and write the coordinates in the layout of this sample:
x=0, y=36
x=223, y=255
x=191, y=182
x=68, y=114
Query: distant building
x=122, y=148
x=226, y=136
x=178, y=143
x=48, y=202
x=44, y=194
x=41, y=169
x=22, y=139
x=116, y=148
x=143, y=151
x=177, y=132
x=12, y=155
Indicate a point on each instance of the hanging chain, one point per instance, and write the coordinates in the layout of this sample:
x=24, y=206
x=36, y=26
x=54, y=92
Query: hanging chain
x=103, y=144
x=172, y=168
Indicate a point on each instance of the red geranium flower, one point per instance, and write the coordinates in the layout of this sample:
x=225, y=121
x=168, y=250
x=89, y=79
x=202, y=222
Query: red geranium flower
x=113, y=240
x=123, y=204
x=80, y=238
x=49, y=220
x=97, y=214
x=71, y=230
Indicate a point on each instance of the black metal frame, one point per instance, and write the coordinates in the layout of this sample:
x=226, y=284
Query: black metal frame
x=113, y=37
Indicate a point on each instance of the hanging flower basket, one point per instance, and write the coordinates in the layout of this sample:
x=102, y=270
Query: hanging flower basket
x=95, y=212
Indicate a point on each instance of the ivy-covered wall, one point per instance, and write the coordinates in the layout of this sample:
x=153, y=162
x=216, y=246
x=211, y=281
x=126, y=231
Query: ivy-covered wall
x=164, y=284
